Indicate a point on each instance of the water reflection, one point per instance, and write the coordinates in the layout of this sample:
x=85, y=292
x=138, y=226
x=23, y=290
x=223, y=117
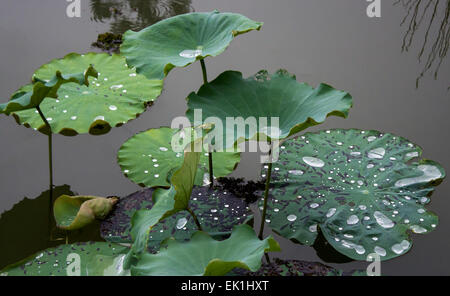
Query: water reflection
x=124, y=15
x=433, y=17
x=27, y=229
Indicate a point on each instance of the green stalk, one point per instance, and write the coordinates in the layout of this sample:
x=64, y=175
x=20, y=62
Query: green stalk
x=195, y=219
x=210, y=157
x=50, y=162
x=266, y=197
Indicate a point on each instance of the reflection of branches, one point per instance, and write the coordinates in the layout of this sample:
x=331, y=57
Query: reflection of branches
x=136, y=14
x=417, y=12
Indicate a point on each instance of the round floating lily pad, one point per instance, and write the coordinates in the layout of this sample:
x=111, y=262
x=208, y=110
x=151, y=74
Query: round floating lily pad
x=360, y=188
x=297, y=106
x=217, y=210
x=203, y=255
x=75, y=212
x=148, y=159
x=181, y=40
x=93, y=259
x=117, y=96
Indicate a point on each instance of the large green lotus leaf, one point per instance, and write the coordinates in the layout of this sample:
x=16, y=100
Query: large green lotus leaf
x=167, y=202
x=40, y=90
x=297, y=105
x=203, y=255
x=148, y=159
x=117, y=96
x=181, y=40
x=95, y=258
x=75, y=212
x=361, y=189
x=217, y=210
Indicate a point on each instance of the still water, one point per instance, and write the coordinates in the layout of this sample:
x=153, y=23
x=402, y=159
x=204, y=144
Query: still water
x=318, y=40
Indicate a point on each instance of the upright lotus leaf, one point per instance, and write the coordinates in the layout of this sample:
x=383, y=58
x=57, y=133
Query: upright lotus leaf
x=75, y=212
x=181, y=40
x=361, y=189
x=296, y=105
x=84, y=259
x=217, y=210
x=166, y=203
x=32, y=95
x=203, y=255
x=115, y=97
x=148, y=159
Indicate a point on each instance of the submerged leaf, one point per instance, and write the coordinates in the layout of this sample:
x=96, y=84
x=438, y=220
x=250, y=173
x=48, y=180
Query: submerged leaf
x=217, y=210
x=203, y=255
x=181, y=40
x=74, y=212
x=85, y=259
x=148, y=159
x=32, y=95
x=279, y=96
x=117, y=96
x=359, y=188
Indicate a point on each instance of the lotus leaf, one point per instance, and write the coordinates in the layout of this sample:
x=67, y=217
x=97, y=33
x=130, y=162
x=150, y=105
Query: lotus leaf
x=74, y=212
x=181, y=40
x=217, y=210
x=361, y=189
x=203, y=255
x=148, y=159
x=94, y=259
x=115, y=97
x=40, y=90
x=296, y=105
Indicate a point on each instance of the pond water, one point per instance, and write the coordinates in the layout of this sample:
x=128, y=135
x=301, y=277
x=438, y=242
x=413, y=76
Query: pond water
x=318, y=40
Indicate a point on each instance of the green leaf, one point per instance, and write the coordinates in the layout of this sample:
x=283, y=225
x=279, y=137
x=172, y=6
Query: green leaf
x=166, y=203
x=361, y=189
x=181, y=40
x=117, y=96
x=75, y=212
x=203, y=255
x=297, y=105
x=148, y=159
x=94, y=258
x=217, y=210
x=40, y=90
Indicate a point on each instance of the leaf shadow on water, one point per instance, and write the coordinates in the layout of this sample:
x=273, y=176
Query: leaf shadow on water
x=25, y=229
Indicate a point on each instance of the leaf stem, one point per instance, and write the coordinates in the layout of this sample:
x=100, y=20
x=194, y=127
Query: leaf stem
x=50, y=158
x=210, y=157
x=266, y=197
x=195, y=219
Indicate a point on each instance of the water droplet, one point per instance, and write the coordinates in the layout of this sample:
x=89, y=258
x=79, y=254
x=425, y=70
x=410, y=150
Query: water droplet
x=296, y=172
x=417, y=229
x=314, y=205
x=421, y=211
x=353, y=219
x=112, y=108
x=371, y=138
x=156, y=176
x=401, y=247
x=430, y=173
x=133, y=75
x=181, y=223
x=314, y=162
x=164, y=149
x=292, y=218
x=382, y=220
x=99, y=118
x=313, y=228
x=189, y=53
x=73, y=117
x=369, y=166
x=118, y=86
x=380, y=251
x=331, y=212
x=377, y=153
x=412, y=154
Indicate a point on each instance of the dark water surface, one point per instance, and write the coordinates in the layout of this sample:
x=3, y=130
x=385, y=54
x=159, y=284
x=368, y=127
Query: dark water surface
x=318, y=40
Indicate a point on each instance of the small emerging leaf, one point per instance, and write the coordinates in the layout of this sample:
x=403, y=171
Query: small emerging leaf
x=203, y=255
x=74, y=212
